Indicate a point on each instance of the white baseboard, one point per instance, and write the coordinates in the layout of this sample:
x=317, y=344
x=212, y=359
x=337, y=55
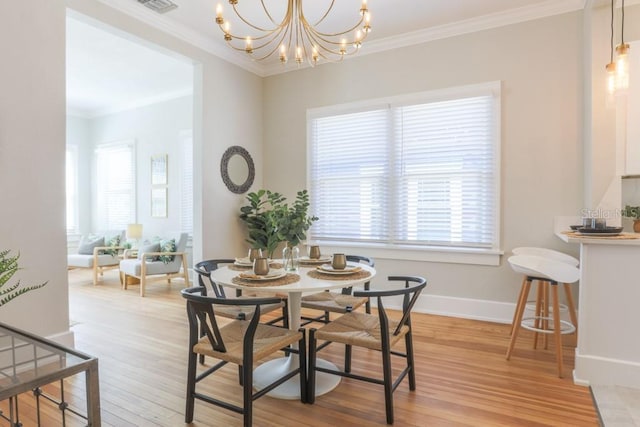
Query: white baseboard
x=64, y=338
x=466, y=308
x=600, y=370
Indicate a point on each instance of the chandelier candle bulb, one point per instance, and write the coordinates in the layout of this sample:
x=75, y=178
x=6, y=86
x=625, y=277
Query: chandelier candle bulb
x=247, y=45
x=298, y=55
x=219, y=18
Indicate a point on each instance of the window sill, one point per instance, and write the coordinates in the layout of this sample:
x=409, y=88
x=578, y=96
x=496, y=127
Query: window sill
x=424, y=253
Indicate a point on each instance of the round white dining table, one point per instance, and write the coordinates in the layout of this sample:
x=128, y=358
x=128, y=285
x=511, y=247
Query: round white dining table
x=267, y=372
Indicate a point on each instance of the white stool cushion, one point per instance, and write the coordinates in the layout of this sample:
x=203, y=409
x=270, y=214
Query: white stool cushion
x=545, y=268
x=546, y=253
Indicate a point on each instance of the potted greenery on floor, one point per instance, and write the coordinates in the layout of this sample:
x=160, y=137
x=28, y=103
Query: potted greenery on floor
x=9, y=267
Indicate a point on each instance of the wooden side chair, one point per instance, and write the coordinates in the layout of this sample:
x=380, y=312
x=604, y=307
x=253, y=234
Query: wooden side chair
x=334, y=302
x=242, y=342
x=375, y=332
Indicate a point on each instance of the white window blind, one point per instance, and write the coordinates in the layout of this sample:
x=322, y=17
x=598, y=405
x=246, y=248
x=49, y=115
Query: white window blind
x=349, y=176
x=422, y=171
x=186, y=181
x=71, y=167
x=115, y=176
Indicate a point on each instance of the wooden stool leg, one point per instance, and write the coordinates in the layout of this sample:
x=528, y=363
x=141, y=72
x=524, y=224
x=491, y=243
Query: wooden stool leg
x=545, y=314
x=557, y=331
x=518, y=320
x=538, y=312
x=571, y=306
x=522, y=299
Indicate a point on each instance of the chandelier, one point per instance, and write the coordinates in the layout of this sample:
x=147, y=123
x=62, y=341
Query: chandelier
x=295, y=36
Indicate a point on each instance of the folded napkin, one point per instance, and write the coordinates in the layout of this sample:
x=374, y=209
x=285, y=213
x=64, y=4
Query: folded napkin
x=271, y=274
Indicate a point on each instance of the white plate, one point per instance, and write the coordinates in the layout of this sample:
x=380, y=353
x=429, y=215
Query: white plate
x=272, y=275
x=321, y=260
x=349, y=269
x=244, y=262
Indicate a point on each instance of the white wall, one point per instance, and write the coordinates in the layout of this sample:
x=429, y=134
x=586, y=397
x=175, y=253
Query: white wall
x=227, y=111
x=540, y=66
x=79, y=135
x=156, y=130
x=32, y=158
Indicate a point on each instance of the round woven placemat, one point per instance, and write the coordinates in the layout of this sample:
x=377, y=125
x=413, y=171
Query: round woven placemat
x=286, y=280
x=362, y=274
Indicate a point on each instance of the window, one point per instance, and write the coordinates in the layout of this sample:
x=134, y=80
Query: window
x=186, y=181
x=419, y=171
x=115, y=176
x=72, y=189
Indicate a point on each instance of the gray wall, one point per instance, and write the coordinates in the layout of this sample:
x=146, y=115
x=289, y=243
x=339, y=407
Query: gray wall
x=540, y=66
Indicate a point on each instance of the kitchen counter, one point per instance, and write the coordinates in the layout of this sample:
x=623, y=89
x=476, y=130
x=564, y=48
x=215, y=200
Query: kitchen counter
x=608, y=350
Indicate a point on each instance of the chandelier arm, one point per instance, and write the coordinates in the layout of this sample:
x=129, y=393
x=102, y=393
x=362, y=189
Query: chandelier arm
x=273, y=36
x=325, y=14
x=318, y=38
x=266, y=12
x=255, y=27
x=335, y=34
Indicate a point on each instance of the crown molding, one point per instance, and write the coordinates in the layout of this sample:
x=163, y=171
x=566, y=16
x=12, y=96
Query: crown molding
x=481, y=23
x=500, y=19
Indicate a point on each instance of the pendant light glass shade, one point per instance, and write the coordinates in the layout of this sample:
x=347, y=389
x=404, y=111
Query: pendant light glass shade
x=622, y=68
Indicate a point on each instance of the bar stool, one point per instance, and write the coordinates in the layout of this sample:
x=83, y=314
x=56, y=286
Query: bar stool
x=550, y=272
x=541, y=304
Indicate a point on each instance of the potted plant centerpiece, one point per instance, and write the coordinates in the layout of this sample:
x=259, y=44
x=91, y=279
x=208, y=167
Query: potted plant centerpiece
x=261, y=218
x=293, y=224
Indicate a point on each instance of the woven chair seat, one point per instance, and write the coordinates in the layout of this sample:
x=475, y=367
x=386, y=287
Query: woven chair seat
x=359, y=329
x=332, y=301
x=267, y=340
x=234, y=311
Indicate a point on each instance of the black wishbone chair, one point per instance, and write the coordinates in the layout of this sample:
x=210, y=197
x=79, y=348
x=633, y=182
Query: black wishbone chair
x=334, y=302
x=242, y=342
x=375, y=332
x=204, y=269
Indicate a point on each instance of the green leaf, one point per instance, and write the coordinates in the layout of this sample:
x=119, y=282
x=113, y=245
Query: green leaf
x=8, y=267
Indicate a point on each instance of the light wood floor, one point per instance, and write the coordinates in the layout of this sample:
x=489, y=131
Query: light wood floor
x=462, y=375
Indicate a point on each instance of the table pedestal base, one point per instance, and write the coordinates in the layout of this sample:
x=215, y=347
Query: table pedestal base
x=290, y=390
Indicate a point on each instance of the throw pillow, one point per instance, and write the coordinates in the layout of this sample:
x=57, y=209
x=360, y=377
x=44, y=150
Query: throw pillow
x=114, y=242
x=154, y=247
x=167, y=246
x=86, y=246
